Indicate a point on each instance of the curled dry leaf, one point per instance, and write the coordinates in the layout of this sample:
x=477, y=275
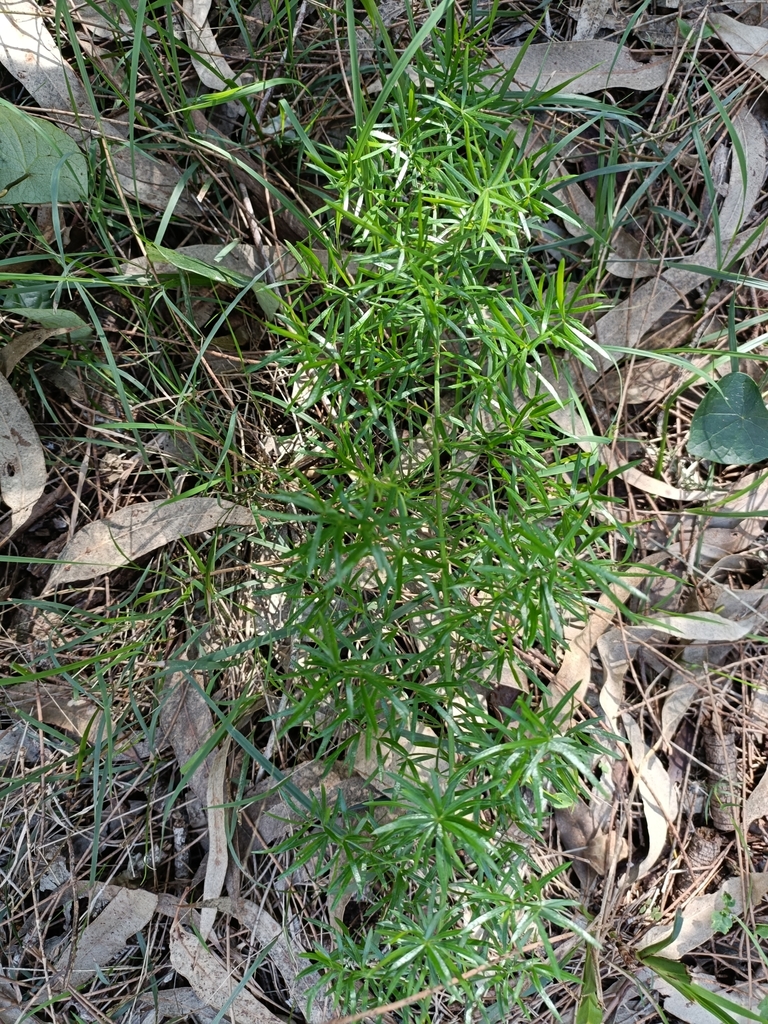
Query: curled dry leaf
x=579, y=67
x=22, y=460
x=576, y=666
x=218, y=852
x=697, y=926
x=656, y=791
x=55, y=705
x=106, y=937
x=213, y=982
x=748, y=42
x=138, y=530
x=704, y=627
x=586, y=836
x=211, y=66
x=21, y=345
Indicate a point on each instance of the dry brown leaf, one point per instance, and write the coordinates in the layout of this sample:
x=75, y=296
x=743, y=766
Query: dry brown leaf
x=11, y=1007
x=749, y=995
x=591, y=14
x=181, y=1002
x=656, y=791
x=211, y=66
x=576, y=667
x=748, y=42
x=686, y=683
x=704, y=627
x=106, y=937
x=218, y=851
x=136, y=531
x=593, y=65
x=630, y=320
x=22, y=460
x=265, y=931
x=213, y=982
x=55, y=705
x=629, y=259
x=21, y=345
x=586, y=836
x=697, y=926
x=757, y=803
x=186, y=723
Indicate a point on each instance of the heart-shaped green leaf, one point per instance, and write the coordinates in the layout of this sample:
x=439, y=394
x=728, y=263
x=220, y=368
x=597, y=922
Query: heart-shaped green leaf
x=37, y=158
x=731, y=424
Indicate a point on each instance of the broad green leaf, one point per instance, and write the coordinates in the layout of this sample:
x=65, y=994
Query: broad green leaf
x=731, y=424
x=589, y=1011
x=38, y=159
x=51, y=317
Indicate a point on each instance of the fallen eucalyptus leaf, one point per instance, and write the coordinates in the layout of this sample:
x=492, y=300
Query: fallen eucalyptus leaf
x=105, y=937
x=21, y=346
x=212, y=68
x=218, y=851
x=138, y=530
x=213, y=982
x=22, y=460
x=697, y=924
x=55, y=705
x=708, y=627
x=748, y=42
x=579, y=67
x=186, y=723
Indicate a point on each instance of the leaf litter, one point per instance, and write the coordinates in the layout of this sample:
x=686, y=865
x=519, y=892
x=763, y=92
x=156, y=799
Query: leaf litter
x=650, y=680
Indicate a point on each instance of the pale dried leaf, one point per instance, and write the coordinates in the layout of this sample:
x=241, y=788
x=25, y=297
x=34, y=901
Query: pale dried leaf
x=636, y=315
x=213, y=982
x=697, y=924
x=591, y=14
x=576, y=666
x=218, y=852
x=21, y=345
x=29, y=52
x=747, y=995
x=705, y=627
x=757, y=802
x=175, y=1002
x=212, y=68
x=186, y=723
x=11, y=1007
x=593, y=65
x=748, y=42
x=106, y=937
x=56, y=706
x=137, y=530
x=656, y=791
x=617, y=649
x=265, y=931
x=22, y=460
x=630, y=259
